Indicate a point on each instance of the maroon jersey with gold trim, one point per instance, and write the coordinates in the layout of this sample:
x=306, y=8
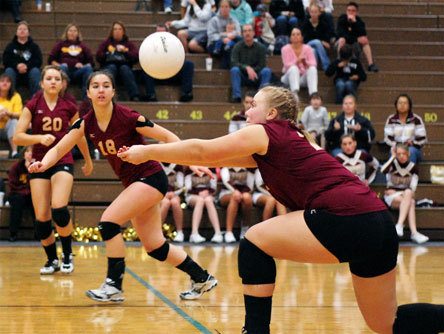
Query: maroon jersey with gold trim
x=121, y=131
x=55, y=122
x=302, y=177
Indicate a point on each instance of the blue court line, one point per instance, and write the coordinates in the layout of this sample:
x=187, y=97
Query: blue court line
x=201, y=328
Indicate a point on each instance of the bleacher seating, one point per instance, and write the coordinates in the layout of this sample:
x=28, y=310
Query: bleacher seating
x=407, y=43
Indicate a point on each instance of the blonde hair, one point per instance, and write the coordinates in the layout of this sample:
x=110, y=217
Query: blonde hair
x=287, y=105
x=64, y=36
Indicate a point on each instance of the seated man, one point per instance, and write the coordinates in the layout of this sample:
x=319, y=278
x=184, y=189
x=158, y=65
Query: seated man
x=351, y=29
x=22, y=58
x=184, y=77
x=248, y=64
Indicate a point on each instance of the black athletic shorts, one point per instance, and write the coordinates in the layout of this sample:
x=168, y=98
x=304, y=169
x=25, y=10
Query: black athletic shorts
x=158, y=180
x=367, y=241
x=69, y=168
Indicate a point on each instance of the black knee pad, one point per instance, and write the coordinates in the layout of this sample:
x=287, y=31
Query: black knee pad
x=61, y=216
x=108, y=230
x=43, y=229
x=255, y=267
x=160, y=253
x=419, y=318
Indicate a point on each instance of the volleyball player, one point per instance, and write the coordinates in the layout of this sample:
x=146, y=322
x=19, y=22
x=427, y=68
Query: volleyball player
x=51, y=116
x=335, y=218
x=110, y=126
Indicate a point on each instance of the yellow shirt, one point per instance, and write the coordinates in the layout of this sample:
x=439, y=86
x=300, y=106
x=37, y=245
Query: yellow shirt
x=14, y=105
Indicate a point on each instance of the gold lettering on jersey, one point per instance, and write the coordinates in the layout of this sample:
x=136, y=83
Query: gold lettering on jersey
x=430, y=117
x=163, y=114
x=196, y=115
x=108, y=147
x=52, y=124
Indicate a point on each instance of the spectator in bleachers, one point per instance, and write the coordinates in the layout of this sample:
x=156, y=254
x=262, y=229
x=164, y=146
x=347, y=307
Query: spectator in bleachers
x=12, y=6
x=299, y=64
x=358, y=162
x=350, y=121
x=223, y=33
x=184, y=77
x=351, y=29
x=262, y=198
x=238, y=185
x=405, y=127
x=22, y=59
x=19, y=196
x=172, y=198
x=248, y=64
x=239, y=120
x=263, y=27
x=184, y=6
x=402, y=180
x=326, y=8
x=10, y=110
x=348, y=72
x=315, y=32
x=193, y=27
x=117, y=54
x=287, y=15
x=200, y=194
x=242, y=12
x=315, y=119
x=73, y=56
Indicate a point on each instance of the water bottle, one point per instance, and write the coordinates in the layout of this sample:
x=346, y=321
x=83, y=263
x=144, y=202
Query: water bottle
x=96, y=154
x=38, y=3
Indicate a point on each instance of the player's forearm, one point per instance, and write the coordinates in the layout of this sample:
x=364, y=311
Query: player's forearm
x=83, y=147
x=24, y=139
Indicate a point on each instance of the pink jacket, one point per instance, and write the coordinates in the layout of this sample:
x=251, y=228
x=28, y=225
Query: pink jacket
x=289, y=58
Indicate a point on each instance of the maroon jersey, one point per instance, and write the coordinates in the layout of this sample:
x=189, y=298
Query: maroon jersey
x=55, y=122
x=302, y=177
x=18, y=179
x=121, y=131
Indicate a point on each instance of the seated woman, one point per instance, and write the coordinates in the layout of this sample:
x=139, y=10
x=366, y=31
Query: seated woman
x=223, y=33
x=360, y=163
x=73, y=56
x=193, y=33
x=238, y=184
x=172, y=198
x=402, y=179
x=10, y=110
x=200, y=194
x=117, y=54
x=406, y=127
x=299, y=64
x=262, y=198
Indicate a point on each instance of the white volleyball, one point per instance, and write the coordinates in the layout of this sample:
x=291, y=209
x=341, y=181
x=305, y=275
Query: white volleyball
x=161, y=55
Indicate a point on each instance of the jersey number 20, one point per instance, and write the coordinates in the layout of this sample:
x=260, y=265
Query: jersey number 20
x=52, y=124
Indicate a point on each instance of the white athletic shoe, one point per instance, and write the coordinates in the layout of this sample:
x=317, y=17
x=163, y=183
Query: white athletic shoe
x=50, y=267
x=179, y=237
x=229, y=237
x=106, y=293
x=67, y=264
x=197, y=238
x=217, y=238
x=198, y=289
x=419, y=238
x=399, y=230
x=168, y=10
